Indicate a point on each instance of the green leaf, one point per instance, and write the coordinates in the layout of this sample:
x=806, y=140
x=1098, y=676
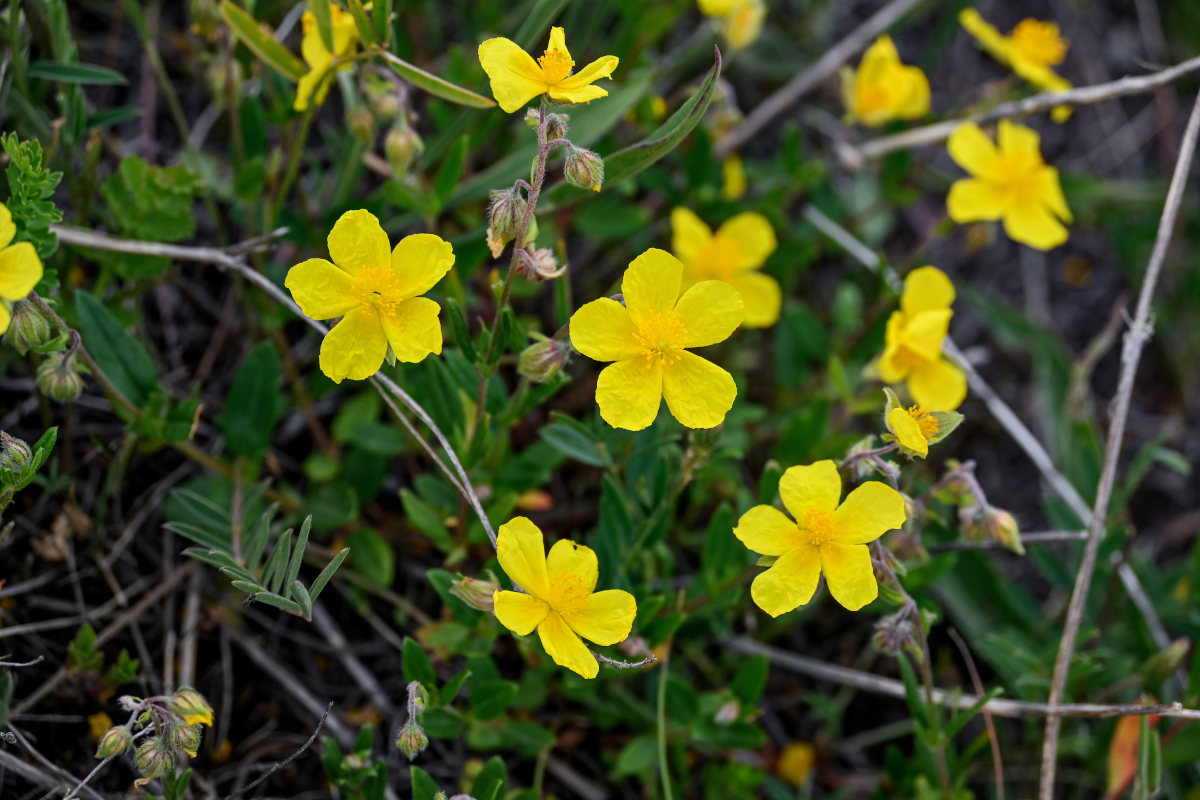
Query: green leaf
x=298, y=552
x=427, y=520
x=417, y=666
x=438, y=87
x=373, y=557
x=31, y=186
x=750, y=681
x=282, y=603
x=572, y=443
x=277, y=563
x=82, y=654
x=320, y=12
x=252, y=408
x=383, y=21
x=298, y=593
x=366, y=30
x=423, y=786
x=491, y=779
x=261, y=43
x=75, y=72
x=460, y=332
x=490, y=699
x=115, y=350
x=319, y=584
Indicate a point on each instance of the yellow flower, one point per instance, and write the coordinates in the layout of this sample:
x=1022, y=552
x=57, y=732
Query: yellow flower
x=819, y=537
x=1011, y=183
x=733, y=177
x=884, y=89
x=20, y=267
x=647, y=338
x=739, y=21
x=914, y=428
x=516, y=78
x=796, y=763
x=913, y=350
x=375, y=293
x=314, y=85
x=191, y=706
x=562, y=601
x=734, y=255
x=1031, y=50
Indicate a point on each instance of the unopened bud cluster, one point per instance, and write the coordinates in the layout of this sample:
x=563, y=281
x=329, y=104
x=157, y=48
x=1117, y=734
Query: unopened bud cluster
x=176, y=721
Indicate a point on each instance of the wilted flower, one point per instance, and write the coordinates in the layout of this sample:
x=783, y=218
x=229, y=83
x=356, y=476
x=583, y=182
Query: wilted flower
x=412, y=740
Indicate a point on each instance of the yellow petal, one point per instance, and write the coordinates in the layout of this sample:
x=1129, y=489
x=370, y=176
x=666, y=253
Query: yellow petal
x=715, y=8
x=1034, y=225
x=558, y=41
x=908, y=433
x=20, y=270
x=581, y=81
x=354, y=348
x=7, y=228
x=629, y=393
x=733, y=177
x=651, y=284
x=321, y=289
x=870, y=511
x=1014, y=139
x=602, y=330
x=789, y=583
x=698, y=392
x=605, y=618
x=811, y=487
x=516, y=78
x=754, y=236
x=420, y=261
x=522, y=556
x=357, y=241
x=689, y=234
x=926, y=289
x=568, y=559
x=313, y=87
x=767, y=530
x=519, y=612
x=925, y=333
x=711, y=312
x=413, y=329
x=848, y=572
x=1050, y=193
x=912, y=93
x=743, y=25
x=970, y=147
x=761, y=296
x=565, y=647
x=938, y=384
x=972, y=199
x=892, y=367
x=5, y=316
x=996, y=43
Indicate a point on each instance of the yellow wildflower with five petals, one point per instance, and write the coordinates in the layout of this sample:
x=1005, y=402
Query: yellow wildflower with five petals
x=20, y=267
x=516, y=78
x=913, y=429
x=647, y=337
x=883, y=88
x=913, y=347
x=739, y=21
x=1031, y=51
x=734, y=254
x=315, y=83
x=376, y=293
x=820, y=537
x=562, y=602
x=1010, y=183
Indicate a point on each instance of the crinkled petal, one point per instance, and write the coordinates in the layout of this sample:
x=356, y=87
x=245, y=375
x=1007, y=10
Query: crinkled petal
x=1050, y=193
x=605, y=618
x=698, y=392
x=515, y=77
x=522, y=555
x=579, y=94
x=970, y=147
x=1033, y=224
x=767, y=530
x=354, y=348
x=602, y=330
x=321, y=289
x=8, y=228
x=629, y=393
x=811, y=487
x=565, y=647
x=1015, y=138
x=357, y=241
x=420, y=261
x=413, y=329
x=602, y=67
x=570, y=559
x=689, y=234
x=973, y=199
x=761, y=296
x=848, y=572
x=938, y=385
x=907, y=432
x=651, y=284
x=710, y=311
x=754, y=236
x=519, y=612
x=870, y=511
x=20, y=270
x=926, y=289
x=789, y=583
x=925, y=333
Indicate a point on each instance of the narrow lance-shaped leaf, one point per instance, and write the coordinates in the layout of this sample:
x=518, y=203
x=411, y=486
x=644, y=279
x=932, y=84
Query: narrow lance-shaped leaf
x=314, y=591
x=115, y=350
x=261, y=43
x=75, y=72
x=320, y=11
x=366, y=29
x=439, y=87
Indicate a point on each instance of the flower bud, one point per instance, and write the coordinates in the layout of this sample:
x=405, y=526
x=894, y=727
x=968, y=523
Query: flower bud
x=584, y=169
x=981, y=523
x=542, y=360
x=191, y=705
x=896, y=633
x=186, y=738
x=556, y=126
x=532, y=118
x=401, y=146
x=155, y=758
x=382, y=97
x=114, y=742
x=412, y=740
x=506, y=211
x=15, y=454
x=361, y=123
x=58, y=378
x=28, y=329
x=476, y=593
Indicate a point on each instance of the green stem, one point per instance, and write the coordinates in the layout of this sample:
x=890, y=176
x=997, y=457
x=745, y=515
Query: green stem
x=661, y=723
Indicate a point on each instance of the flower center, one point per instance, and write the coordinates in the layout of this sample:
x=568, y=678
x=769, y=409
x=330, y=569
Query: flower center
x=718, y=258
x=925, y=421
x=567, y=593
x=817, y=527
x=378, y=288
x=872, y=97
x=1039, y=42
x=661, y=337
x=556, y=66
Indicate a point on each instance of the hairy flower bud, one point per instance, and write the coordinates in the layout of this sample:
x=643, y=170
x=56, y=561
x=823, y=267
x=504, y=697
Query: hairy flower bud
x=476, y=592
x=186, y=738
x=506, y=211
x=28, y=328
x=982, y=522
x=542, y=360
x=191, y=705
x=58, y=378
x=895, y=633
x=584, y=169
x=15, y=454
x=155, y=758
x=114, y=742
x=401, y=146
x=412, y=740
x=556, y=126
x=361, y=123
